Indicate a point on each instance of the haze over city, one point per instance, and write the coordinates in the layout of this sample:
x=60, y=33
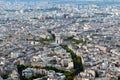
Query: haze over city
x=59, y=40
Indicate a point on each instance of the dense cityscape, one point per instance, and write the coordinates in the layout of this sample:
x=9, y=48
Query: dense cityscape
x=59, y=40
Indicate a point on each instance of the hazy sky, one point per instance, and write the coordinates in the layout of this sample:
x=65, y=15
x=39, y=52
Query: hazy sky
x=103, y=1
x=61, y=0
